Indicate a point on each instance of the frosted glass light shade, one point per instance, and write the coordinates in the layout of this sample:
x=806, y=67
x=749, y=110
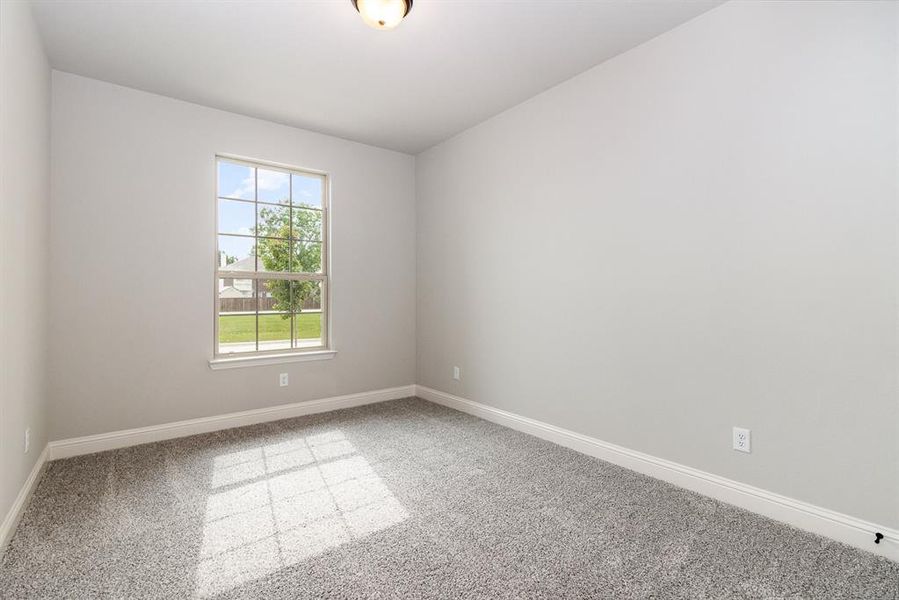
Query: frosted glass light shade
x=383, y=14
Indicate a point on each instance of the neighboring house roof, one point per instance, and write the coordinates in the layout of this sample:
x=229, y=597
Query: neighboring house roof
x=244, y=264
x=233, y=292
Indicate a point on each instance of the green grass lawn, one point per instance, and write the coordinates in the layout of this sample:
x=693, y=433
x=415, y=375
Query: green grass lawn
x=242, y=328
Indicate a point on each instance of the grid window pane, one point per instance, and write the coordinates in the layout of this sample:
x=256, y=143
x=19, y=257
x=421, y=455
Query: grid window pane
x=237, y=315
x=236, y=181
x=308, y=318
x=308, y=332
x=274, y=331
x=306, y=296
x=306, y=224
x=306, y=257
x=276, y=314
x=274, y=255
x=274, y=221
x=237, y=217
x=273, y=186
x=275, y=295
x=237, y=253
x=307, y=190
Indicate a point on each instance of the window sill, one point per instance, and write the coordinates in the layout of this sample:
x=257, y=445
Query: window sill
x=270, y=359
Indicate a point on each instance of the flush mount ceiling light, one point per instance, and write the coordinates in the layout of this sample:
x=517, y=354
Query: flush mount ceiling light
x=383, y=14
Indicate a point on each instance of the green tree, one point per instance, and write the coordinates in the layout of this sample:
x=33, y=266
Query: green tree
x=290, y=242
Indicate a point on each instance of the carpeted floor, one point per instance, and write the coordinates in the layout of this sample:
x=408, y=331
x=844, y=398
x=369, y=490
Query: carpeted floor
x=403, y=499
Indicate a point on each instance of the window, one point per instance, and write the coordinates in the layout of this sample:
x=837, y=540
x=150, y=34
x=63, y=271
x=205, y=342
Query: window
x=271, y=260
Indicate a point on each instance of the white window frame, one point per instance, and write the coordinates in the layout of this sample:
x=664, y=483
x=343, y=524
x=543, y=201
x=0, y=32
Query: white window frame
x=324, y=350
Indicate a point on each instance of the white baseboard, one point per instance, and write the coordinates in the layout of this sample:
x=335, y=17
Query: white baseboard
x=837, y=526
x=14, y=515
x=143, y=435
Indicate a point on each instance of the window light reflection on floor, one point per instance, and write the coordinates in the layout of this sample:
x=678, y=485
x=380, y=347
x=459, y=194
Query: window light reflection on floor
x=276, y=505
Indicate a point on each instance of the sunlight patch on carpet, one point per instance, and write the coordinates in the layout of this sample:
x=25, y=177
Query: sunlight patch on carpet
x=276, y=505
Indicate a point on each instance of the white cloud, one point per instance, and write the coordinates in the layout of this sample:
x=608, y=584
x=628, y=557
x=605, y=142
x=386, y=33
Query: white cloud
x=266, y=181
x=244, y=190
x=272, y=180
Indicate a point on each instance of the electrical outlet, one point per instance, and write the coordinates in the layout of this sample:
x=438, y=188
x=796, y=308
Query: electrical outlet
x=27, y=439
x=457, y=373
x=742, y=440
x=282, y=380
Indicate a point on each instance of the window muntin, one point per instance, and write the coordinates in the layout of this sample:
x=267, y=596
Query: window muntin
x=271, y=259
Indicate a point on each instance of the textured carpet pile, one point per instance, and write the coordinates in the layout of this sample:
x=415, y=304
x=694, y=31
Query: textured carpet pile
x=402, y=499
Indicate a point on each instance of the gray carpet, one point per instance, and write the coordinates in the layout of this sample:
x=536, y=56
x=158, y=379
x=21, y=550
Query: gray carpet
x=403, y=499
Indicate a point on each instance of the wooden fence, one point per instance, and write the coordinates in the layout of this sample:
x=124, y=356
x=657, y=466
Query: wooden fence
x=265, y=304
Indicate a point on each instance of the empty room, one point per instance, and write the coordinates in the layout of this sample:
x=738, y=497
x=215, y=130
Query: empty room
x=437, y=299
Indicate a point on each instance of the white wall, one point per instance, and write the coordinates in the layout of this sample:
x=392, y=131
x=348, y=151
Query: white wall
x=697, y=234
x=133, y=227
x=24, y=252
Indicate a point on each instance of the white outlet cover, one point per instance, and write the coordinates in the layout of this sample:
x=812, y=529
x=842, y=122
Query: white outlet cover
x=742, y=439
x=27, y=440
x=283, y=380
x=457, y=373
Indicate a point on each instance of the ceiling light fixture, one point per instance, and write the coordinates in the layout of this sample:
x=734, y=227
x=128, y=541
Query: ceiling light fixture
x=383, y=14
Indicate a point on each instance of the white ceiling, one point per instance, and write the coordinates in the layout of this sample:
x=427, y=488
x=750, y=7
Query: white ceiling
x=314, y=64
